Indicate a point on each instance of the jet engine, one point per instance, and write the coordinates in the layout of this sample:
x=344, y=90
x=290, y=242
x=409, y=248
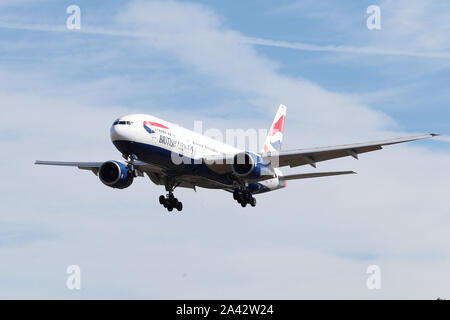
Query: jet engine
x=115, y=174
x=251, y=166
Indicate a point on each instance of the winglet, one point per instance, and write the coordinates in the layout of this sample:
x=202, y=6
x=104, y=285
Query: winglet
x=435, y=134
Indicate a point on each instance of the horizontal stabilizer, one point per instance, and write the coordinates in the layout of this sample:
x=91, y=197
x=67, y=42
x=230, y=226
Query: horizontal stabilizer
x=314, y=175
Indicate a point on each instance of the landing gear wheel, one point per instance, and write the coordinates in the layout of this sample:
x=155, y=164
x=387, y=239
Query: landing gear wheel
x=170, y=202
x=244, y=197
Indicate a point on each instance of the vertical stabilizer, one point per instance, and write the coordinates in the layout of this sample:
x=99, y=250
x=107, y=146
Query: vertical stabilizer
x=275, y=136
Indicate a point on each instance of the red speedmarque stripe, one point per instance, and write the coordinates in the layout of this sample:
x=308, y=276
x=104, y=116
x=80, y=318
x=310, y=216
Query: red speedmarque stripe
x=156, y=124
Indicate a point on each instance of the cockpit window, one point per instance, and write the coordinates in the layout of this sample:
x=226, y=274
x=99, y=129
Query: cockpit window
x=128, y=123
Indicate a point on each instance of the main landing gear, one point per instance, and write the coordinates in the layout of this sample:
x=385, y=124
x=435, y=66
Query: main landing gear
x=244, y=197
x=170, y=202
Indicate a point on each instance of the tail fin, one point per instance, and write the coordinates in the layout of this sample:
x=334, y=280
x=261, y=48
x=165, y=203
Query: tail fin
x=275, y=136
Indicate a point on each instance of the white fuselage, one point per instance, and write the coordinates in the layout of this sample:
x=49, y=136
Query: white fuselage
x=169, y=136
x=155, y=141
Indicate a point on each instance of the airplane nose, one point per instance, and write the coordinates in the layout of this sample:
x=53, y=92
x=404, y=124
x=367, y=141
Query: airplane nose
x=118, y=132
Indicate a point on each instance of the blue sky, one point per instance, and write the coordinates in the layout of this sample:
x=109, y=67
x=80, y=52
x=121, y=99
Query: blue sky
x=409, y=89
x=185, y=61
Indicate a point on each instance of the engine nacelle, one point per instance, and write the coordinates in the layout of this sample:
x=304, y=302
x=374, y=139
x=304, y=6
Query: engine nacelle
x=115, y=174
x=251, y=166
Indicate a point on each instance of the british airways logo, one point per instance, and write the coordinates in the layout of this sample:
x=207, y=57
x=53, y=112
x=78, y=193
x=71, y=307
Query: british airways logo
x=149, y=124
x=278, y=126
x=275, y=136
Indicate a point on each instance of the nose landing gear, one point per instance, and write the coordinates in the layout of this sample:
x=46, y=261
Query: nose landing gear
x=244, y=197
x=130, y=159
x=170, y=202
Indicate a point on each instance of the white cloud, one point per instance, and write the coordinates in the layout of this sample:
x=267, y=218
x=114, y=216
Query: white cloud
x=415, y=25
x=408, y=28
x=346, y=49
x=219, y=53
x=444, y=138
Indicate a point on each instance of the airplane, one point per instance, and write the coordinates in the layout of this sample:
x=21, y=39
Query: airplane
x=173, y=156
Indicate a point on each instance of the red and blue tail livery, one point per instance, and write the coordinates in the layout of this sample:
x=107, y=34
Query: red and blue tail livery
x=275, y=136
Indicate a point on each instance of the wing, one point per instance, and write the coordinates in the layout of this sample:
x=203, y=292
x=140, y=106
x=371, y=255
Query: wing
x=93, y=166
x=294, y=158
x=156, y=174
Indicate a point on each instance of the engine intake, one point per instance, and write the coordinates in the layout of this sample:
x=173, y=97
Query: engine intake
x=243, y=164
x=115, y=174
x=251, y=166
